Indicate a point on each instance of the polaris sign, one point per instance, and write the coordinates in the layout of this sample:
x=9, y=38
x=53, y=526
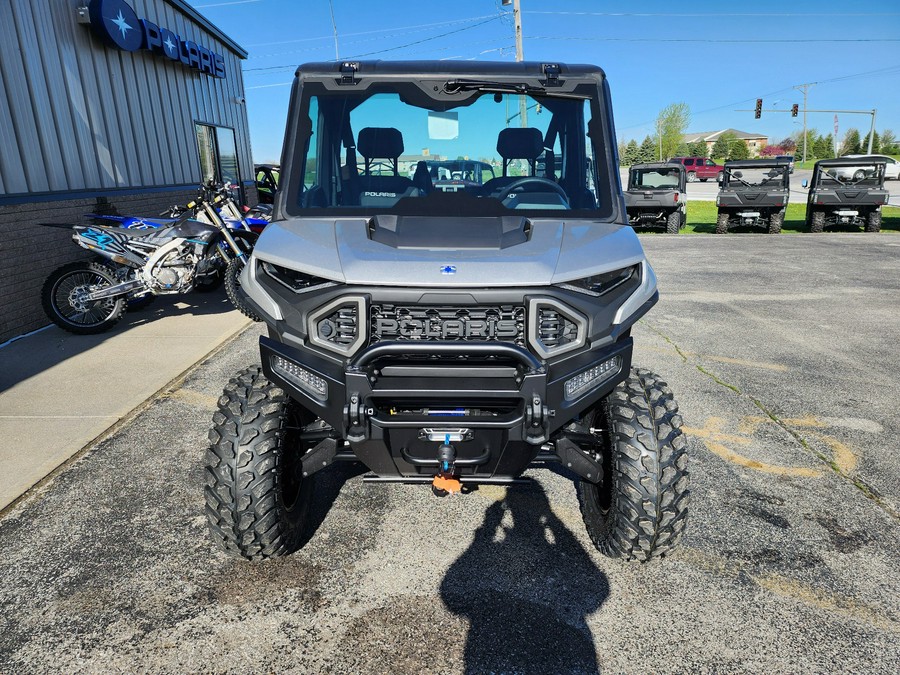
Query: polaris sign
x=117, y=24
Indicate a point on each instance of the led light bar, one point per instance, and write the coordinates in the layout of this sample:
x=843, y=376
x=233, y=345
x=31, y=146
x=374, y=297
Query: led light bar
x=592, y=377
x=309, y=382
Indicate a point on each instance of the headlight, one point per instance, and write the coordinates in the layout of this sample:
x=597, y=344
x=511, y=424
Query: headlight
x=599, y=284
x=339, y=326
x=592, y=377
x=309, y=382
x=292, y=279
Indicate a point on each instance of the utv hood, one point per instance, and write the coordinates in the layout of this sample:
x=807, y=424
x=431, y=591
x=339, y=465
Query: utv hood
x=449, y=252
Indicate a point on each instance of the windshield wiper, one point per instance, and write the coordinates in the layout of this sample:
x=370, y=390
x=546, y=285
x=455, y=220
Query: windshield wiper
x=491, y=87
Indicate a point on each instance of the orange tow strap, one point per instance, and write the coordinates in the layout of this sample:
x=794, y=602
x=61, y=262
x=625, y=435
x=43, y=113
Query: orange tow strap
x=447, y=483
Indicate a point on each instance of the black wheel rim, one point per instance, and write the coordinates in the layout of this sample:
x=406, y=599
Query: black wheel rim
x=69, y=306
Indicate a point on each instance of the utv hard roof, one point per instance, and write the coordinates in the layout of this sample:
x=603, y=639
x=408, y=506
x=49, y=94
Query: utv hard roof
x=756, y=163
x=468, y=69
x=668, y=166
x=849, y=161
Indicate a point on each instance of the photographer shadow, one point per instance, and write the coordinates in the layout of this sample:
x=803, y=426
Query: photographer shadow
x=526, y=586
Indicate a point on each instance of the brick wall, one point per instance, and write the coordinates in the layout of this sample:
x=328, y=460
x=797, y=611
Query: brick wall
x=30, y=252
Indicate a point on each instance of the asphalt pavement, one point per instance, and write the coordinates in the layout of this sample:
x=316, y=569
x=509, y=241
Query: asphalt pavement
x=782, y=352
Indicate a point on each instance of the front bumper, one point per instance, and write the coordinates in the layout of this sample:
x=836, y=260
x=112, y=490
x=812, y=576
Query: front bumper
x=395, y=402
x=394, y=396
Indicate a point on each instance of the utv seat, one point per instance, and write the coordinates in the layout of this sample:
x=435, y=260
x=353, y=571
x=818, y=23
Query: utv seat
x=514, y=143
x=382, y=143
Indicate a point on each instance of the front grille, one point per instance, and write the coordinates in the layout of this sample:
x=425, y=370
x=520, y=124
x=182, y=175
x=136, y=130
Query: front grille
x=505, y=323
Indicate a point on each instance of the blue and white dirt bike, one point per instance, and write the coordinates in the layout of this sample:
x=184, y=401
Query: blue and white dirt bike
x=253, y=220
x=177, y=257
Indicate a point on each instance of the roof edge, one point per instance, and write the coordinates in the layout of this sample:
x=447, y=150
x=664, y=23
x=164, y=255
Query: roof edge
x=187, y=9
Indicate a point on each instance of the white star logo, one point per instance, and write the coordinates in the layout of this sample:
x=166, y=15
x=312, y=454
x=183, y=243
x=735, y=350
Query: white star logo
x=122, y=24
x=169, y=44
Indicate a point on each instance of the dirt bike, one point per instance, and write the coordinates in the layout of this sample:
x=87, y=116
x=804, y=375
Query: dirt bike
x=89, y=297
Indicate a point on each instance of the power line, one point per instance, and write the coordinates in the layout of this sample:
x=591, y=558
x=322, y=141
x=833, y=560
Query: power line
x=380, y=30
x=779, y=91
x=712, y=40
x=389, y=49
x=712, y=14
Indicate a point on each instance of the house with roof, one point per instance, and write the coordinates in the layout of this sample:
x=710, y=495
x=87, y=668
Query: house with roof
x=755, y=142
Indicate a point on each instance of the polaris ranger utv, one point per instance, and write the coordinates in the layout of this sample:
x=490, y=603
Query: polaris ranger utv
x=655, y=196
x=846, y=192
x=448, y=339
x=754, y=192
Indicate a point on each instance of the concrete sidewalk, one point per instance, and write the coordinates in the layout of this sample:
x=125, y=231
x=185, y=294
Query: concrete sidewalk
x=59, y=392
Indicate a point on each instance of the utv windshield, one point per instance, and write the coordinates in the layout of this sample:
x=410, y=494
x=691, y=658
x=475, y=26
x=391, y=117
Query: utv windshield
x=861, y=175
x=655, y=179
x=764, y=177
x=392, y=149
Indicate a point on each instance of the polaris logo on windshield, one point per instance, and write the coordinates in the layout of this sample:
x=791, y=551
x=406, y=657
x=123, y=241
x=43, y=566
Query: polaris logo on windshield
x=379, y=194
x=447, y=328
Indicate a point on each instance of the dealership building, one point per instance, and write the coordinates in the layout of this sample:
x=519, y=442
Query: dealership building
x=110, y=107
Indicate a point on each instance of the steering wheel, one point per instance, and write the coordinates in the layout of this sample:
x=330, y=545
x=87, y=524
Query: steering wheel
x=540, y=185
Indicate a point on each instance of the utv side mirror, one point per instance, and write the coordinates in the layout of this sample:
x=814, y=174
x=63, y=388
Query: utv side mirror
x=805, y=183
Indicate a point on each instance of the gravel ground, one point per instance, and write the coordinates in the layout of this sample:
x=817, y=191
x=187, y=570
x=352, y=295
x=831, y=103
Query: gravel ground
x=781, y=351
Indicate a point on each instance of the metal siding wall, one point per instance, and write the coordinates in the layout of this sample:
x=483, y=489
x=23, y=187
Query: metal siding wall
x=77, y=115
x=81, y=130
x=24, y=124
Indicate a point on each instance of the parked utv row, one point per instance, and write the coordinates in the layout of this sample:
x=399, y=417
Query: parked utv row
x=754, y=193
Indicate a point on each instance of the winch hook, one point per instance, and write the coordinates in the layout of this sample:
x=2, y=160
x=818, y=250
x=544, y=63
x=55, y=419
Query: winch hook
x=445, y=482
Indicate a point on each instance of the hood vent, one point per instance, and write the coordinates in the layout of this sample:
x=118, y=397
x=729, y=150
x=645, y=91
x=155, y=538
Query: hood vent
x=452, y=234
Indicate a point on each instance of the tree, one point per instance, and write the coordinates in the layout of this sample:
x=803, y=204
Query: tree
x=720, y=149
x=811, y=135
x=671, y=124
x=876, y=143
x=648, y=151
x=772, y=151
x=889, y=145
x=632, y=153
x=738, y=149
x=698, y=149
x=789, y=145
x=850, y=144
x=824, y=147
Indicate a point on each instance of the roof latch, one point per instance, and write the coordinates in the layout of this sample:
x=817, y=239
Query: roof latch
x=348, y=71
x=551, y=72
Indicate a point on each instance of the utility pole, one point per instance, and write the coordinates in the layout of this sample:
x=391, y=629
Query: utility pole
x=337, y=56
x=872, y=131
x=805, y=88
x=517, y=19
x=659, y=136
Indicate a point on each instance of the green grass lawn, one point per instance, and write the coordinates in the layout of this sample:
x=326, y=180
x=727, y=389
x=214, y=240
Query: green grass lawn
x=701, y=218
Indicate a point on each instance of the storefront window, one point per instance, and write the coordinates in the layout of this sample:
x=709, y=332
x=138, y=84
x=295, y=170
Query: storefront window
x=218, y=157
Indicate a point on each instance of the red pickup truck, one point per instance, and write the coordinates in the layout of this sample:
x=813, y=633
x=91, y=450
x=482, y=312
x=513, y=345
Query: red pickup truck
x=700, y=168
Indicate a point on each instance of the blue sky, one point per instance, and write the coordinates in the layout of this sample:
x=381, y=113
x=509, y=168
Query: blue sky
x=654, y=53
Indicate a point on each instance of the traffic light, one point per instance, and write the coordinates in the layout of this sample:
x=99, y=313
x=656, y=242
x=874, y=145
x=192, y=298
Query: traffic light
x=758, y=112
x=794, y=110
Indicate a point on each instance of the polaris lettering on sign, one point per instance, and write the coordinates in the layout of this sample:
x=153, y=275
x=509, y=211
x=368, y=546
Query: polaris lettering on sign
x=117, y=24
